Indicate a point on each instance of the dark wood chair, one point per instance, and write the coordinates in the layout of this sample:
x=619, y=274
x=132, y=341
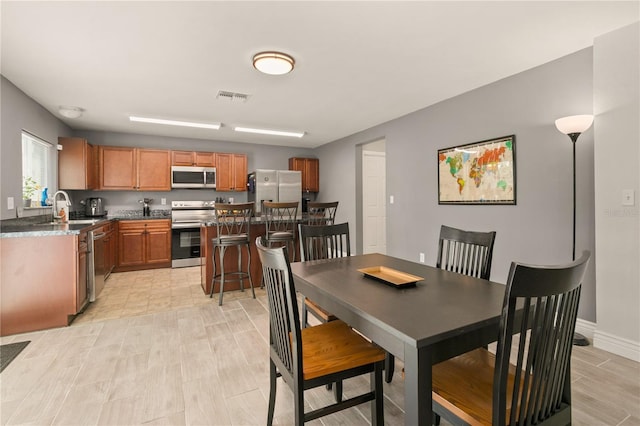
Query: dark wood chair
x=537, y=324
x=233, y=227
x=306, y=358
x=321, y=213
x=464, y=252
x=322, y=242
x=281, y=219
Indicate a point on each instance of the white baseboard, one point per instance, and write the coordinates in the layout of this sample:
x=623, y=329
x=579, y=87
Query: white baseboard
x=608, y=342
x=617, y=345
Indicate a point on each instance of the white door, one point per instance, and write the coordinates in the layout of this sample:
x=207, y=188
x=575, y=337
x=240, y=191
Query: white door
x=374, y=221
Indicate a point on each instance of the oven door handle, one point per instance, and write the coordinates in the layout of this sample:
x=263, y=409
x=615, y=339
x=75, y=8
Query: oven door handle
x=182, y=225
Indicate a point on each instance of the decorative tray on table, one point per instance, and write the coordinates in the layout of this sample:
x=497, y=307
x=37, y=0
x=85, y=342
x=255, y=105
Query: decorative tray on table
x=391, y=276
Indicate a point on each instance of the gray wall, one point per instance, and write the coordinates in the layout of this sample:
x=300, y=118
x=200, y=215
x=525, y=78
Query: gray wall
x=20, y=112
x=539, y=228
x=617, y=156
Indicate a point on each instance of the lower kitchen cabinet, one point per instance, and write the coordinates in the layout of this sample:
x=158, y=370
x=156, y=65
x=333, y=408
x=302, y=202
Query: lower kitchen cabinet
x=82, y=285
x=144, y=244
x=109, y=248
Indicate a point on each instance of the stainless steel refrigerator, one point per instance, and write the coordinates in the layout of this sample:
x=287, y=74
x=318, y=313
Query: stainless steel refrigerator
x=275, y=185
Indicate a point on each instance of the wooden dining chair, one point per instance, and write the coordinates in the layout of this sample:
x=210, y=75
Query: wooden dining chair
x=306, y=358
x=537, y=323
x=322, y=242
x=464, y=252
x=321, y=213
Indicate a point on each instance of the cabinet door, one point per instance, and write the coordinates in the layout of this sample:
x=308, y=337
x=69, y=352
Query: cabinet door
x=182, y=158
x=223, y=172
x=117, y=168
x=239, y=173
x=312, y=180
x=131, y=250
x=205, y=159
x=158, y=242
x=81, y=271
x=154, y=170
x=77, y=164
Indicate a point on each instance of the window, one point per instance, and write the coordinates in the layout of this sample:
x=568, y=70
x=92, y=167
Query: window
x=36, y=156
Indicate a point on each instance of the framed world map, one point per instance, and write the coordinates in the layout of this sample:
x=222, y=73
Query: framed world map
x=478, y=173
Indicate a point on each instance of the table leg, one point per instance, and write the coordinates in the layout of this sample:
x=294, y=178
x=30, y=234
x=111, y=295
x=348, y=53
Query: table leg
x=417, y=386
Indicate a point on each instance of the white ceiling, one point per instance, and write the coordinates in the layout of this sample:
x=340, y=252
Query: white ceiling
x=358, y=64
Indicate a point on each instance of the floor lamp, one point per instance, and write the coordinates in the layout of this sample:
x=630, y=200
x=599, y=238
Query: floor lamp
x=573, y=126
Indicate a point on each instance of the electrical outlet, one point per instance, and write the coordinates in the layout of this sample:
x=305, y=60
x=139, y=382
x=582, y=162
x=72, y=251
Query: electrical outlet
x=163, y=201
x=421, y=257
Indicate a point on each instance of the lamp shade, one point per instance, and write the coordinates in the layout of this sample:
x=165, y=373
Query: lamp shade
x=274, y=63
x=574, y=124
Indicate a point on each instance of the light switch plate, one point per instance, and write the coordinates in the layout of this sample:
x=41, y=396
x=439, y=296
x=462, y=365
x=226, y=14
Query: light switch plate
x=628, y=197
x=10, y=203
x=391, y=199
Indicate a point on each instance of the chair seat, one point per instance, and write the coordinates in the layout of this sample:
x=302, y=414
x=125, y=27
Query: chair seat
x=280, y=235
x=232, y=239
x=325, y=315
x=464, y=386
x=347, y=350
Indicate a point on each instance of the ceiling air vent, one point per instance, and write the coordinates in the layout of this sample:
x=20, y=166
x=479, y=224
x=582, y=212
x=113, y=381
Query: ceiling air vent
x=232, y=96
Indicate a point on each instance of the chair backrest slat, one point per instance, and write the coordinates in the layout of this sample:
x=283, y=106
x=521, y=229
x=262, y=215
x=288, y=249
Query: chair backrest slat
x=540, y=307
x=465, y=252
x=324, y=241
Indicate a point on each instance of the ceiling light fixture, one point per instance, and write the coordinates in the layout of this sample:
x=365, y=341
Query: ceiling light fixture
x=273, y=63
x=70, y=111
x=269, y=132
x=214, y=126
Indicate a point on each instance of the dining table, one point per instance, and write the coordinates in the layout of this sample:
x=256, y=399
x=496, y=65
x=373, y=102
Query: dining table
x=429, y=315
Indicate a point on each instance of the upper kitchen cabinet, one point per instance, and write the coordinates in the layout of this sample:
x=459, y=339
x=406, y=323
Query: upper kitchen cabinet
x=231, y=172
x=139, y=169
x=193, y=158
x=77, y=164
x=310, y=170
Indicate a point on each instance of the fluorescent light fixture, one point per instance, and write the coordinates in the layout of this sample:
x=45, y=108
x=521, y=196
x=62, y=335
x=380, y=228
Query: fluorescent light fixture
x=214, y=126
x=269, y=132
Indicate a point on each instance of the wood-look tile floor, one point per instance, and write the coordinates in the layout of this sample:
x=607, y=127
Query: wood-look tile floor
x=153, y=349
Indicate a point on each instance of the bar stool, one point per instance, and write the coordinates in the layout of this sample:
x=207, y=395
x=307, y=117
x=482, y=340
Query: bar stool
x=321, y=213
x=281, y=224
x=233, y=225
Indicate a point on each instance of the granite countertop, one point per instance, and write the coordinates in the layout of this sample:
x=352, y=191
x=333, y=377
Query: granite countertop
x=41, y=226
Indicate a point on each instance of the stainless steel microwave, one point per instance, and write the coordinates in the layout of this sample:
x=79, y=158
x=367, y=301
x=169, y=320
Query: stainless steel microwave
x=193, y=177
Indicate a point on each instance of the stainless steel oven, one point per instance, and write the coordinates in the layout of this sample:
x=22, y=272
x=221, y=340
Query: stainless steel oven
x=187, y=217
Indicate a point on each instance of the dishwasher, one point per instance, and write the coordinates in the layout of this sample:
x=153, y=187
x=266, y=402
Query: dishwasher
x=95, y=260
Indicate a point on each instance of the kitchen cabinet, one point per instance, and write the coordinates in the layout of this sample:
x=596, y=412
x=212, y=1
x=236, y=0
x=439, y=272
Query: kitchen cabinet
x=144, y=244
x=310, y=170
x=231, y=172
x=77, y=164
x=193, y=158
x=123, y=168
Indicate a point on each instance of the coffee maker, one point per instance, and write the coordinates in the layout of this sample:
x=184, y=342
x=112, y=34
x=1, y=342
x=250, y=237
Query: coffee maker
x=146, y=210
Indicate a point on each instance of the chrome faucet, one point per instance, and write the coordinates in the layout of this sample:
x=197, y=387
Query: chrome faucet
x=65, y=206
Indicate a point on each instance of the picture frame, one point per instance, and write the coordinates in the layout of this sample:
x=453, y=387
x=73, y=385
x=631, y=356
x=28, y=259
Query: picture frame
x=478, y=173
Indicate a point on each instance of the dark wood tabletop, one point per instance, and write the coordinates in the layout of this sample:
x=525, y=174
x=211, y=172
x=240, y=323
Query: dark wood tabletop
x=443, y=315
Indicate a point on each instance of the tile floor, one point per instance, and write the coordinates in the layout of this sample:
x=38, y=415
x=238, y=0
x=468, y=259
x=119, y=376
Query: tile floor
x=153, y=349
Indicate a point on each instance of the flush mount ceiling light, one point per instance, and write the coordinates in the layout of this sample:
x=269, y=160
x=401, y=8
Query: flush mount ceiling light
x=269, y=132
x=214, y=126
x=70, y=111
x=274, y=63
